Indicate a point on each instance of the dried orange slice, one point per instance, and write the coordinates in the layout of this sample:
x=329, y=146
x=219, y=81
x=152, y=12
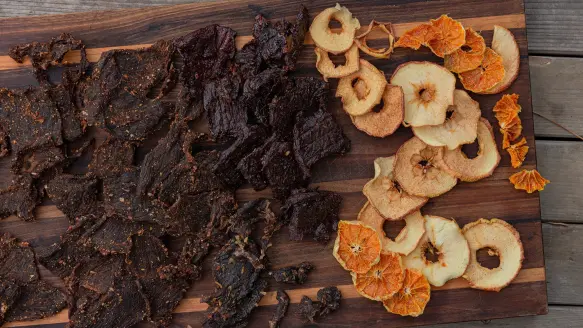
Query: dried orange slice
x=504, y=241
x=450, y=36
x=416, y=37
x=408, y=237
x=412, y=297
x=507, y=108
x=388, y=119
x=488, y=74
x=357, y=247
x=387, y=29
x=383, y=280
x=375, y=82
x=463, y=60
x=326, y=67
x=530, y=181
x=518, y=153
x=505, y=45
x=328, y=40
x=510, y=131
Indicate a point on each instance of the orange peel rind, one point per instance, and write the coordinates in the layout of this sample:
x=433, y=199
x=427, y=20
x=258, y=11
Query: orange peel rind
x=326, y=67
x=530, y=181
x=504, y=240
x=329, y=41
x=487, y=75
x=518, y=153
x=507, y=108
x=387, y=29
x=375, y=82
x=412, y=297
x=479, y=167
x=357, y=247
x=453, y=252
x=383, y=280
x=462, y=60
x=386, y=121
x=408, y=237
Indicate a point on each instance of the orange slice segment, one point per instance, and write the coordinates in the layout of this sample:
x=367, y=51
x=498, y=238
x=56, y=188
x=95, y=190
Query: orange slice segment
x=510, y=131
x=412, y=297
x=463, y=60
x=518, y=153
x=416, y=37
x=383, y=280
x=357, y=247
x=488, y=74
x=450, y=36
x=507, y=108
x=530, y=181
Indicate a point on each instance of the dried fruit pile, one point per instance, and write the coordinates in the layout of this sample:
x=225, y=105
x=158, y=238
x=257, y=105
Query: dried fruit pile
x=422, y=95
x=140, y=201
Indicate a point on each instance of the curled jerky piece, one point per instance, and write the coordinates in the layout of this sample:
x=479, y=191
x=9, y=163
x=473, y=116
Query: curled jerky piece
x=326, y=67
x=479, y=167
x=518, y=153
x=505, y=45
x=388, y=119
x=383, y=280
x=503, y=241
x=463, y=60
x=428, y=91
x=487, y=75
x=329, y=41
x=387, y=29
x=420, y=170
x=408, y=237
x=386, y=195
x=375, y=81
x=530, y=181
x=460, y=128
x=444, y=239
x=357, y=247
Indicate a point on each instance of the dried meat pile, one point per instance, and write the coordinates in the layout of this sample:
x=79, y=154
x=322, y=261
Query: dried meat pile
x=135, y=205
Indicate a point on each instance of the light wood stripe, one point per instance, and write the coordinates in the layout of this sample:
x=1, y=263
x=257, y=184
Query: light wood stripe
x=188, y=305
x=477, y=23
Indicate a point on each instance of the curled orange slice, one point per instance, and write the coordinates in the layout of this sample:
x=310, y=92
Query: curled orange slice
x=416, y=37
x=507, y=108
x=357, y=247
x=510, y=131
x=463, y=60
x=450, y=36
x=518, y=153
x=530, y=181
x=412, y=297
x=488, y=74
x=383, y=280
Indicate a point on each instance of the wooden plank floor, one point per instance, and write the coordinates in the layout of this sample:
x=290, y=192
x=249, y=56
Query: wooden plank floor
x=554, y=45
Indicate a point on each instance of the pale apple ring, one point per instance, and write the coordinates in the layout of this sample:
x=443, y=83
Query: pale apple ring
x=375, y=81
x=326, y=67
x=329, y=41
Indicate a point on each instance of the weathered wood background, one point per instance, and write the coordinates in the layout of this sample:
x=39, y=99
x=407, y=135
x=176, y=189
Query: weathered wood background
x=555, y=47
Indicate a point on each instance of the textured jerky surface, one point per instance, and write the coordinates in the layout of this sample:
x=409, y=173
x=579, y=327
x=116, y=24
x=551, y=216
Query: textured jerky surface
x=295, y=274
x=328, y=302
x=280, y=310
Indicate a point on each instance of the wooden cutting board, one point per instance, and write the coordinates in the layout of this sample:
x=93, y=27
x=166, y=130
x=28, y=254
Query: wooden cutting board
x=489, y=198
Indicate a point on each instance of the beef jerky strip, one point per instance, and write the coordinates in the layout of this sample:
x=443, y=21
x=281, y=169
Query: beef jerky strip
x=328, y=302
x=295, y=274
x=75, y=195
x=20, y=198
x=280, y=310
x=112, y=158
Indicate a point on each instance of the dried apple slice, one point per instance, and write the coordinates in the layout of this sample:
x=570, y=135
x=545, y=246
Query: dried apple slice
x=505, y=45
x=386, y=28
x=504, y=241
x=461, y=128
x=408, y=237
x=487, y=75
x=326, y=67
x=329, y=41
x=463, y=60
x=428, y=91
x=388, y=119
x=483, y=165
x=420, y=170
x=375, y=81
x=385, y=194
x=443, y=239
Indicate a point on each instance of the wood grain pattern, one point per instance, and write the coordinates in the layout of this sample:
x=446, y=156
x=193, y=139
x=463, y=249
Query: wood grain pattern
x=491, y=197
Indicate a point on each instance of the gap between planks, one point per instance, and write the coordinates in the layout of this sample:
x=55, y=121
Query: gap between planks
x=188, y=305
x=477, y=23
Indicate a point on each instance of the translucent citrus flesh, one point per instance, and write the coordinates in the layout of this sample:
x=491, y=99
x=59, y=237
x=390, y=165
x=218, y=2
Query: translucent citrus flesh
x=488, y=74
x=462, y=60
x=357, y=246
x=412, y=297
x=383, y=280
x=530, y=181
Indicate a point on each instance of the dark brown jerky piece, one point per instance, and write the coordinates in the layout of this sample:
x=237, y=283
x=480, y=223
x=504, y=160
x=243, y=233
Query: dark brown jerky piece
x=328, y=302
x=316, y=136
x=4, y=143
x=308, y=309
x=274, y=45
x=9, y=293
x=226, y=167
x=67, y=97
x=113, y=234
x=122, y=306
x=194, y=250
x=17, y=261
x=281, y=169
x=75, y=195
x=280, y=310
x=311, y=213
x=227, y=118
x=37, y=161
x=45, y=54
x=296, y=274
x=30, y=119
x=20, y=198
x=251, y=167
x=37, y=300
x=111, y=158
x=259, y=90
x=97, y=273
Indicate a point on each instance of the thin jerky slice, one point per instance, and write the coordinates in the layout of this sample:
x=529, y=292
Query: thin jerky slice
x=317, y=136
x=227, y=118
x=259, y=90
x=17, y=261
x=97, y=273
x=111, y=158
x=20, y=198
x=37, y=300
x=36, y=161
x=75, y=195
x=312, y=213
x=9, y=293
x=281, y=169
x=251, y=167
x=282, y=305
x=113, y=234
x=328, y=302
x=295, y=274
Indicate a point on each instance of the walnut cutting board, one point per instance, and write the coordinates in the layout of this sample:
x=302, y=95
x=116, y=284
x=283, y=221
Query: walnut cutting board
x=488, y=198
